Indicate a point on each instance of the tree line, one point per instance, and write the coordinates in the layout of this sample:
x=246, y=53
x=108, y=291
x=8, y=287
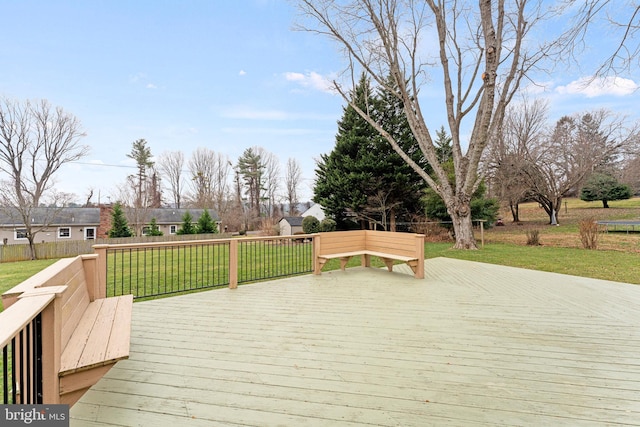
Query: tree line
x=592, y=154
x=243, y=195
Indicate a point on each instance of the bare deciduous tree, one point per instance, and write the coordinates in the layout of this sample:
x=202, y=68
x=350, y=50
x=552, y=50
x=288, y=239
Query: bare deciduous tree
x=210, y=173
x=171, y=163
x=272, y=178
x=36, y=140
x=559, y=163
x=292, y=183
x=483, y=53
x=623, y=24
x=507, y=156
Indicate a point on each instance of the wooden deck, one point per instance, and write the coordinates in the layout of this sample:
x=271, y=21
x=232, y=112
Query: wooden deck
x=471, y=344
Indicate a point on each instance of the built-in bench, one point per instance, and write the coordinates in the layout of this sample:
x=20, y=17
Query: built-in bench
x=388, y=246
x=93, y=333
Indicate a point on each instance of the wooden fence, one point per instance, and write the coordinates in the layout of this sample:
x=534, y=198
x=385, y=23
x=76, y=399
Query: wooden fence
x=70, y=248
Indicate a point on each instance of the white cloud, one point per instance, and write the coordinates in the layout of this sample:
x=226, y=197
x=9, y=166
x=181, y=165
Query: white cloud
x=593, y=87
x=151, y=86
x=242, y=73
x=311, y=80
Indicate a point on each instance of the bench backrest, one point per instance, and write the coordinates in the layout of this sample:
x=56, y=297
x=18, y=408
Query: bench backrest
x=343, y=241
x=75, y=300
x=403, y=244
x=75, y=273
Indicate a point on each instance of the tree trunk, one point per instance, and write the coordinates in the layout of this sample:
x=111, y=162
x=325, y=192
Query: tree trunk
x=32, y=247
x=605, y=203
x=460, y=214
x=515, y=211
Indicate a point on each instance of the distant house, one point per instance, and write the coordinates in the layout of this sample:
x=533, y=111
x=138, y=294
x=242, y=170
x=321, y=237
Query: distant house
x=58, y=224
x=290, y=225
x=315, y=210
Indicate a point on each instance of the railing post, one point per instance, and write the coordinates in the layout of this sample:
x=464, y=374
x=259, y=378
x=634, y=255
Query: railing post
x=51, y=351
x=101, y=271
x=233, y=264
x=420, y=251
x=316, y=253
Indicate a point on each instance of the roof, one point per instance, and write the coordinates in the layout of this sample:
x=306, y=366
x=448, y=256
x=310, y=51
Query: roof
x=174, y=216
x=294, y=221
x=51, y=216
x=9, y=217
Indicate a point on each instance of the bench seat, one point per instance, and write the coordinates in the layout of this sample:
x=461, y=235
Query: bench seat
x=385, y=257
x=101, y=337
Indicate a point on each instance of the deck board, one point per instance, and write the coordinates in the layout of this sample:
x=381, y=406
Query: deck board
x=471, y=344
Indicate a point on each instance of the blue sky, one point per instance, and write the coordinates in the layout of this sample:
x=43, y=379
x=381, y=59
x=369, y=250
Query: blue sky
x=197, y=73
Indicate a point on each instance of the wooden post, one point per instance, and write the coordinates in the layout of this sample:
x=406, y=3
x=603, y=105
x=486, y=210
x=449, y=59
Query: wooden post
x=482, y=234
x=233, y=264
x=51, y=351
x=317, y=268
x=89, y=265
x=101, y=270
x=420, y=252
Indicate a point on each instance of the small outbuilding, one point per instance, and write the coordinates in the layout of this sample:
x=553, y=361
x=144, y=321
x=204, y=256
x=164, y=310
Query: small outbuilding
x=290, y=225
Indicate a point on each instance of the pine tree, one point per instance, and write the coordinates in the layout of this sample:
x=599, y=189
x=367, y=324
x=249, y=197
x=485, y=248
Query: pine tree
x=154, y=229
x=119, y=224
x=339, y=183
x=141, y=153
x=187, y=225
x=363, y=175
x=206, y=224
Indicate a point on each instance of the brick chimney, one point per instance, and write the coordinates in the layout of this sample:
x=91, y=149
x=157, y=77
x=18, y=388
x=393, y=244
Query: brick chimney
x=105, y=221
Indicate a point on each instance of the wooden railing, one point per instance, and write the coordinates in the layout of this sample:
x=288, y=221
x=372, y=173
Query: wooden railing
x=168, y=268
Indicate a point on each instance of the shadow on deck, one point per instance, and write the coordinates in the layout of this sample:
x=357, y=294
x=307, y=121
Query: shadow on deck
x=472, y=344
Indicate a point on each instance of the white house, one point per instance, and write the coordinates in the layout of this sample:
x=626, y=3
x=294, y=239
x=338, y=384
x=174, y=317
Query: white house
x=315, y=210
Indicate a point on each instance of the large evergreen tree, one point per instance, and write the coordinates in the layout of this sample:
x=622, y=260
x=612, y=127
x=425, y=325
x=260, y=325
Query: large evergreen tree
x=363, y=177
x=119, y=224
x=339, y=182
x=206, y=224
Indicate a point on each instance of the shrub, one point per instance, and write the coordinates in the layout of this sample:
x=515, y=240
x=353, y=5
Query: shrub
x=327, y=225
x=588, y=233
x=533, y=237
x=269, y=227
x=310, y=224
